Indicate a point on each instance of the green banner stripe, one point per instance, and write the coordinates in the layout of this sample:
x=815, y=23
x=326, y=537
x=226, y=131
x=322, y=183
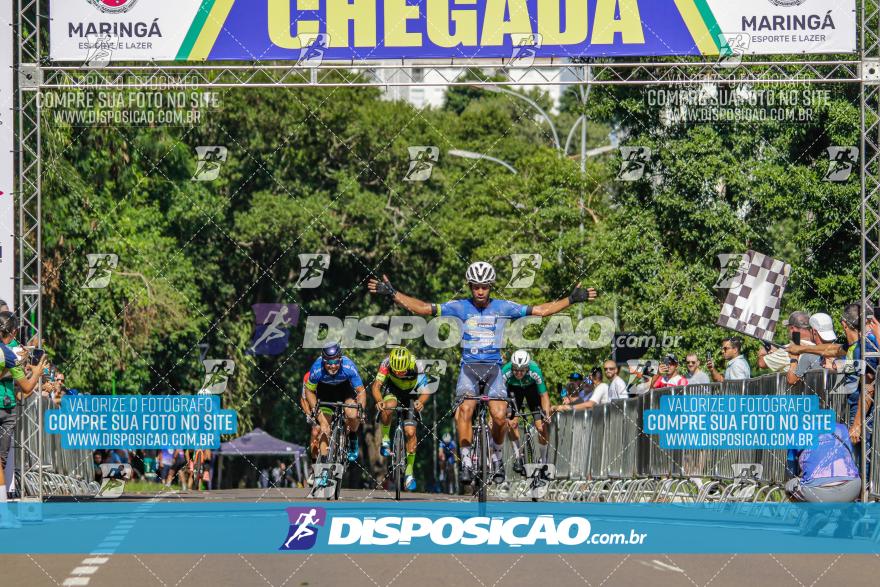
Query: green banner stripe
x=195, y=30
x=714, y=28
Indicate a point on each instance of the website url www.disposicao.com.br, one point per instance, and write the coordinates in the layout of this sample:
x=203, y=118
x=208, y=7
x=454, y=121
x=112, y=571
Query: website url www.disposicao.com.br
x=474, y=531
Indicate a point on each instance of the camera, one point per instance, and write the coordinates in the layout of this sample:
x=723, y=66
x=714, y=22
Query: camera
x=36, y=355
x=648, y=370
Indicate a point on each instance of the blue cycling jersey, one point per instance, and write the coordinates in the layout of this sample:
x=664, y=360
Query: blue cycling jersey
x=347, y=373
x=448, y=450
x=483, y=329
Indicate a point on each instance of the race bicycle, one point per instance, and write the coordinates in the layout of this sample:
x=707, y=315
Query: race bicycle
x=538, y=474
x=398, y=443
x=328, y=476
x=481, y=452
x=449, y=476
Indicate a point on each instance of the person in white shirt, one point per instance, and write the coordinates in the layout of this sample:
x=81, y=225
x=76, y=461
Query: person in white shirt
x=616, y=385
x=603, y=392
x=737, y=365
x=695, y=375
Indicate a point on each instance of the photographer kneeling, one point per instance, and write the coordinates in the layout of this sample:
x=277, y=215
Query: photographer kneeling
x=827, y=473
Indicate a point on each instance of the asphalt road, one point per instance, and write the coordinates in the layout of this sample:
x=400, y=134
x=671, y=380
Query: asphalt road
x=300, y=570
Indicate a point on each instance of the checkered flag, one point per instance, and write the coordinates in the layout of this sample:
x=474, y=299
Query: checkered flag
x=753, y=301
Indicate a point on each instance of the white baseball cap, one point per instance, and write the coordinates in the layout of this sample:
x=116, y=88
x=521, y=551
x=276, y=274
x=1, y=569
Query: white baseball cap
x=824, y=325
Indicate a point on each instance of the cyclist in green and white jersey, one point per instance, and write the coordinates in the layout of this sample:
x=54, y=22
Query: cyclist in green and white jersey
x=525, y=384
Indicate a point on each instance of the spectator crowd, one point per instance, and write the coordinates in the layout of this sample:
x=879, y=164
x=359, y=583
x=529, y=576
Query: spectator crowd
x=829, y=472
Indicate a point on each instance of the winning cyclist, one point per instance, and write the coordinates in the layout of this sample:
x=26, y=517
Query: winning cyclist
x=335, y=378
x=525, y=383
x=483, y=321
x=397, y=381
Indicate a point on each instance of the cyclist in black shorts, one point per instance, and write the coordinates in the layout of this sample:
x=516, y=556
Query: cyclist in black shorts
x=335, y=378
x=397, y=382
x=525, y=384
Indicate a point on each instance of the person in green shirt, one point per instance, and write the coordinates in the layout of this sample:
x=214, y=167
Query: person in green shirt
x=12, y=373
x=525, y=384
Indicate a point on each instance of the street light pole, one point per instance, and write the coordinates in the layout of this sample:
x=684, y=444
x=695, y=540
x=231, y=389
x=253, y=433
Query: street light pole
x=533, y=104
x=473, y=155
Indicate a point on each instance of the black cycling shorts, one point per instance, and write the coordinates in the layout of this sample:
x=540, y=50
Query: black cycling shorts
x=403, y=396
x=523, y=394
x=335, y=393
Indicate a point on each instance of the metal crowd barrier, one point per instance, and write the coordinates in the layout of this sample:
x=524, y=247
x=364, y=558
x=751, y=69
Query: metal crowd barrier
x=63, y=472
x=603, y=454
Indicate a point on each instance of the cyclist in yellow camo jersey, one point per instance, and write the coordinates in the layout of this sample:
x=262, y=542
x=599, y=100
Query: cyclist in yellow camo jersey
x=397, y=382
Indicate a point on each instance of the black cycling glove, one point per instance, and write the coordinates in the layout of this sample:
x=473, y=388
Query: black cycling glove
x=384, y=288
x=578, y=295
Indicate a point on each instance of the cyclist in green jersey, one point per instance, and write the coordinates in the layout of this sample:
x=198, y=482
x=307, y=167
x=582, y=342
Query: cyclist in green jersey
x=525, y=384
x=397, y=382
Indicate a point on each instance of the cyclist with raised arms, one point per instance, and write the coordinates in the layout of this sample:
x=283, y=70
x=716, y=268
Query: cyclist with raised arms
x=397, y=382
x=335, y=378
x=483, y=321
x=525, y=384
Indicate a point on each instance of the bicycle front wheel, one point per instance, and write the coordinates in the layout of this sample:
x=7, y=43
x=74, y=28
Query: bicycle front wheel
x=399, y=460
x=483, y=455
x=341, y=458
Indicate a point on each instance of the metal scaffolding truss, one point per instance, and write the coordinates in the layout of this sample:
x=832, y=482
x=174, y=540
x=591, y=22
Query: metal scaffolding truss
x=35, y=73
x=446, y=74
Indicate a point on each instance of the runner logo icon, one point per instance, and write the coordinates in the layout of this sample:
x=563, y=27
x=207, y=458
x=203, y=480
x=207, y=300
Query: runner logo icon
x=303, y=532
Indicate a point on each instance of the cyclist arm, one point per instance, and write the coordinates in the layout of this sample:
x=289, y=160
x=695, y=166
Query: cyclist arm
x=361, y=392
x=376, y=391
x=545, y=404
x=422, y=400
x=550, y=308
x=311, y=400
x=310, y=388
x=408, y=303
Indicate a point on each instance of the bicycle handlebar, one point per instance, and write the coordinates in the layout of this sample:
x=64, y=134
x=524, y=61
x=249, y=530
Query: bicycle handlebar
x=398, y=408
x=337, y=406
x=533, y=414
x=486, y=398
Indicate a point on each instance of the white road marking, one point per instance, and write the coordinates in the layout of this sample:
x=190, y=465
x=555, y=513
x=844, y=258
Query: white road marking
x=88, y=566
x=661, y=566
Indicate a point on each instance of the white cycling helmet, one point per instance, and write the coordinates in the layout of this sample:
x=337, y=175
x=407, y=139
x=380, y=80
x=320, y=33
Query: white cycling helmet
x=481, y=273
x=520, y=359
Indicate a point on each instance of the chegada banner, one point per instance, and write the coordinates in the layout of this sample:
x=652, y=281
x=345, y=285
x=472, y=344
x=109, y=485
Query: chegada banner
x=376, y=30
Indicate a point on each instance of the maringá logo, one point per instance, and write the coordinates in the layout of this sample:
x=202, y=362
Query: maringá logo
x=303, y=532
x=787, y=3
x=113, y=6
